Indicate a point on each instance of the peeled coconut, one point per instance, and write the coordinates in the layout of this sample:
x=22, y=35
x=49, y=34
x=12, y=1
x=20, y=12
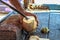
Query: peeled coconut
x=30, y=22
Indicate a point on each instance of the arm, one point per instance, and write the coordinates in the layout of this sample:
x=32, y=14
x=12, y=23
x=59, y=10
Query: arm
x=17, y=5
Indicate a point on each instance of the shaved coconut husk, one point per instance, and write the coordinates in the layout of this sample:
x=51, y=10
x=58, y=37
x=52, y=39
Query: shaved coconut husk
x=31, y=23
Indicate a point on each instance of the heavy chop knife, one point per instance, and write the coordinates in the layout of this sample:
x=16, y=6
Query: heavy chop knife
x=30, y=24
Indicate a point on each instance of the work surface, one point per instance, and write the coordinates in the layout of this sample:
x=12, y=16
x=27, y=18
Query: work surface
x=50, y=20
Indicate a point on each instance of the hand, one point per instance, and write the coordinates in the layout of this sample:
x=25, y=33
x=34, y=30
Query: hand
x=24, y=25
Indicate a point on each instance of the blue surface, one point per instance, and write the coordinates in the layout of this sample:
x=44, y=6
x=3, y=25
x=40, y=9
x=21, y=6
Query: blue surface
x=54, y=24
x=52, y=6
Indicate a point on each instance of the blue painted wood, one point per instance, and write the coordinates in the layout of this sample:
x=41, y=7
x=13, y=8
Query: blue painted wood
x=54, y=21
x=54, y=34
x=54, y=25
x=43, y=22
x=52, y=6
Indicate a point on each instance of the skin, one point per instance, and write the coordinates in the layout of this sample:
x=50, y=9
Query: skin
x=18, y=6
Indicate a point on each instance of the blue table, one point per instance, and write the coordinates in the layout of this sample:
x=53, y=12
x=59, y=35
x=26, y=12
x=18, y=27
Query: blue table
x=50, y=20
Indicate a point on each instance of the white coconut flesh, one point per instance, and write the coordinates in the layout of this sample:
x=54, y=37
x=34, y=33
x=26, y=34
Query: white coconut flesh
x=34, y=38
